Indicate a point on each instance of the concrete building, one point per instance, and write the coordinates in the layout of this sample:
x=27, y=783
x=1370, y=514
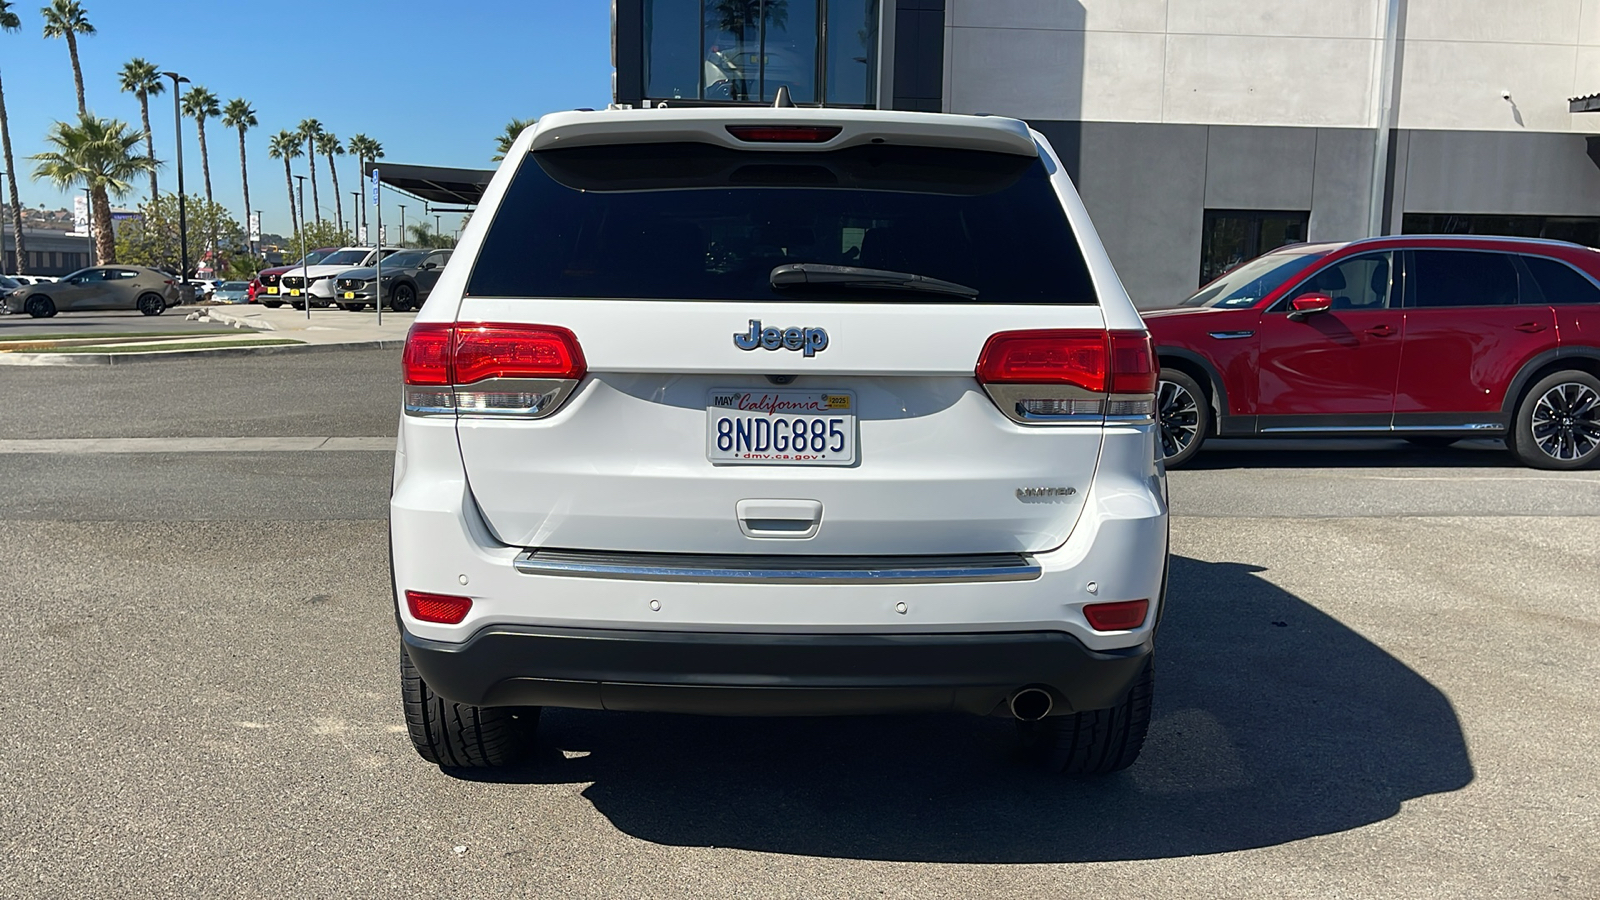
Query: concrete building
x=1200, y=132
x=49, y=252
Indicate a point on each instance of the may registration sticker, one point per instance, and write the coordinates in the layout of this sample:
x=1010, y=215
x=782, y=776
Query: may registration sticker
x=781, y=427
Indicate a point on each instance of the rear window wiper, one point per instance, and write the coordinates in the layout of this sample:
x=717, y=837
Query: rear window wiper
x=817, y=275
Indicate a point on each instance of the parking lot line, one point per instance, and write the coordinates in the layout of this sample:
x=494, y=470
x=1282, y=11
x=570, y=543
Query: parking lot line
x=197, y=445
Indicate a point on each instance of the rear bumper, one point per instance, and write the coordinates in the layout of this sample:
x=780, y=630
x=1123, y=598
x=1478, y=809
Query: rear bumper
x=771, y=674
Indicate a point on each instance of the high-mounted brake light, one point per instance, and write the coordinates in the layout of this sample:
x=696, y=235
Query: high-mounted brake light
x=445, y=609
x=1069, y=376
x=785, y=134
x=490, y=369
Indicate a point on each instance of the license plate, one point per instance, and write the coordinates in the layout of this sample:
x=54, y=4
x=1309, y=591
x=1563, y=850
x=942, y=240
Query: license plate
x=788, y=428
x=294, y=292
x=272, y=290
x=349, y=295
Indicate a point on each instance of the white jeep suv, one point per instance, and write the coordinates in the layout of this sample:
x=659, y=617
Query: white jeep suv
x=779, y=412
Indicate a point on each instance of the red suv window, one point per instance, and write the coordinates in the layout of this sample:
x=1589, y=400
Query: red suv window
x=1461, y=278
x=1560, y=282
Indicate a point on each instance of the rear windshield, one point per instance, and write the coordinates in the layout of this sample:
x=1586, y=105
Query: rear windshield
x=698, y=222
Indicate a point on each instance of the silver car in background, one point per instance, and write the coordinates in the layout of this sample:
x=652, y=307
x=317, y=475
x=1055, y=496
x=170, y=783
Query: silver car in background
x=98, y=288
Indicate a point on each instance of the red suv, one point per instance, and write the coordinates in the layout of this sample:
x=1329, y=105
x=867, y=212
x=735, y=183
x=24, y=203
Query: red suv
x=1431, y=339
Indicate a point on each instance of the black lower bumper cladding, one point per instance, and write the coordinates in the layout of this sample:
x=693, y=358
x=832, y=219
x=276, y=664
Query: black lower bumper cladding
x=771, y=674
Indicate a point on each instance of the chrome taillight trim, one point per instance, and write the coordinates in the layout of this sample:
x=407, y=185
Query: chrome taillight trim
x=542, y=396
x=1101, y=408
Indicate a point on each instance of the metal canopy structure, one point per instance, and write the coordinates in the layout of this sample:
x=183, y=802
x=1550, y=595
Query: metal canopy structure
x=436, y=185
x=1590, y=103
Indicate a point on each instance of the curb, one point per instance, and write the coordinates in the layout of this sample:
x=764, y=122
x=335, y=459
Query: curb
x=109, y=359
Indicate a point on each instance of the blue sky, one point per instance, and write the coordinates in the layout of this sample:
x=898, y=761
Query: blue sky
x=433, y=82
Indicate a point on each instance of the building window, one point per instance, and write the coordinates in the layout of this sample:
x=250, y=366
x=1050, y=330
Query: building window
x=1232, y=237
x=1583, y=230
x=743, y=51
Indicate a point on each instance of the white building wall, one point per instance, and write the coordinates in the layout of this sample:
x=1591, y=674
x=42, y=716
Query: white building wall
x=1289, y=62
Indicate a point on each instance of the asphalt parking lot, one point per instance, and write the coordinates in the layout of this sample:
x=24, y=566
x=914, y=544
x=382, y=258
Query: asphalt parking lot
x=1376, y=678
x=67, y=324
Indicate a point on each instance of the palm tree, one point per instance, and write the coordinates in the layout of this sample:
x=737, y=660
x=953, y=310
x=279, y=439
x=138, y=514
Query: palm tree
x=514, y=129
x=423, y=235
x=363, y=148
x=66, y=19
x=10, y=22
x=238, y=114
x=309, y=130
x=200, y=104
x=101, y=155
x=286, y=146
x=329, y=146
x=141, y=78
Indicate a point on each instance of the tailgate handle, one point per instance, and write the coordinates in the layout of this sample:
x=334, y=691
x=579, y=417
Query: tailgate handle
x=793, y=519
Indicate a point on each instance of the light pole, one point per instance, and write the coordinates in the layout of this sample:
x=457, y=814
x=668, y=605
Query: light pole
x=183, y=217
x=436, y=226
x=258, y=232
x=305, y=270
x=402, y=224
x=88, y=204
x=3, y=232
x=355, y=221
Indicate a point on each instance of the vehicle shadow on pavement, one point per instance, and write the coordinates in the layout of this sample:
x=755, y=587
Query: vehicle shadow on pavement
x=1352, y=453
x=1273, y=722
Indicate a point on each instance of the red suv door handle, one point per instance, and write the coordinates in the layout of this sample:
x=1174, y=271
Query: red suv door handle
x=1529, y=327
x=1380, y=331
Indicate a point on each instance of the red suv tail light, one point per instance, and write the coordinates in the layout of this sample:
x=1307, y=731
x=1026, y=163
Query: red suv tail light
x=515, y=351
x=490, y=369
x=427, y=355
x=1075, y=358
x=1069, y=376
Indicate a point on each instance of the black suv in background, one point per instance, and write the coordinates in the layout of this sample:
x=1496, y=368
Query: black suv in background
x=408, y=278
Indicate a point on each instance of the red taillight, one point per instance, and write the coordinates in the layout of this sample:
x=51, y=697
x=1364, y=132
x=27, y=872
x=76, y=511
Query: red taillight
x=426, y=360
x=444, y=609
x=785, y=134
x=515, y=351
x=1072, y=357
x=1123, y=616
x=1133, y=368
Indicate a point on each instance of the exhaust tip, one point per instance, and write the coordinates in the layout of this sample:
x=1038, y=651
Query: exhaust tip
x=1031, y=704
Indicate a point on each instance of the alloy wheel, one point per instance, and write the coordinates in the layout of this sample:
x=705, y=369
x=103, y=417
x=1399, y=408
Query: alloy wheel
x=1566, y=421
x=1179, y=414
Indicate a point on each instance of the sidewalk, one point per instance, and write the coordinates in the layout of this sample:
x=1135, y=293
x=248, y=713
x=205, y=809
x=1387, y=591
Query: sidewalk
x=325, y=326
x=258, y=331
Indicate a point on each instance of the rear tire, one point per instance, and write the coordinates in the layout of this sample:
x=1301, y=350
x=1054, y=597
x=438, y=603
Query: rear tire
x=272, y=304
x=1183, y=414
x=1096, y=741
x=152, y=304
x=457, y=735
x=40, y=307
x=352, y=307
x=1558, y=423
x=403, y=298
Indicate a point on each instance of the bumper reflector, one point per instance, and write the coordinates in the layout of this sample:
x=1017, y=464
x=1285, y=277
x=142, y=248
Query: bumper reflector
x=444, y=609
x=1125, y=615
